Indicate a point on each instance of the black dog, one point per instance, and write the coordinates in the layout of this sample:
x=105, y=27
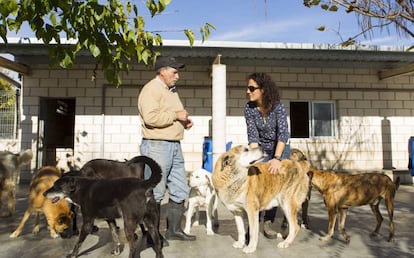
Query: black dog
x=109, y=169
x=104, y=198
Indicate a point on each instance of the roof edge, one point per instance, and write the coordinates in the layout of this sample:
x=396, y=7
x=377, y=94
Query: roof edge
x=237, y=44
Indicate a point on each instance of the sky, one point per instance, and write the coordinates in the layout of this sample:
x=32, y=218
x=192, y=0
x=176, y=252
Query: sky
x=286, y=21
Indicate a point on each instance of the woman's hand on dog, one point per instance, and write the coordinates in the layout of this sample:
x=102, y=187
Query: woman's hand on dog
x=275, y=165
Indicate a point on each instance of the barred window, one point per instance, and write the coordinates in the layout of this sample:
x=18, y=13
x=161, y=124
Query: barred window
x=8, y=114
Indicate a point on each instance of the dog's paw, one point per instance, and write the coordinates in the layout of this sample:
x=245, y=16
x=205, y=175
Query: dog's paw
x=36, y=230
x=6, y=214
x=238, y=244
x=187, y=231
x=196, y=223
x=210, y=232
x=373, y=234
x=391, y=239
x=249, y=249
x=347, y=239
x=117, y=251
x=325, y=238
x=283, y=244
x=14, y=234
x=54, y=235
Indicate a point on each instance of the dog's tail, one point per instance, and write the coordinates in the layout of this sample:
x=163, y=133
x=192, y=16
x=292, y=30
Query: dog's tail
x=397, y=183
x=24, y=157
x=155, y=168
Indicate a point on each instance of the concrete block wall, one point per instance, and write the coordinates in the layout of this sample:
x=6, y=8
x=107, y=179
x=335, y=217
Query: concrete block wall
x=112, y=130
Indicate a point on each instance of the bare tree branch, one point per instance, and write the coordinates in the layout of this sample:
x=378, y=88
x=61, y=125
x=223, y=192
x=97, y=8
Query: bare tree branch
x=374, y=14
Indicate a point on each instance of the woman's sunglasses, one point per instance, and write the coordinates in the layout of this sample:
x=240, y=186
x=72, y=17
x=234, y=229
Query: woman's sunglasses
x=252, y=88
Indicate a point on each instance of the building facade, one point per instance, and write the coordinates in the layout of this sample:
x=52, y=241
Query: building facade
x=348, y=108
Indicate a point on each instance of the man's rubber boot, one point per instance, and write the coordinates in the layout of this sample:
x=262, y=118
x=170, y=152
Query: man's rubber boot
x=268, y=232
x=174, y=231
x=268, y=219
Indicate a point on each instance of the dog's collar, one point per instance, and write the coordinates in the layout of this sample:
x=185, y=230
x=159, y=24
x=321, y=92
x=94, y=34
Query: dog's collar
x=257, y=160
x=72, y=202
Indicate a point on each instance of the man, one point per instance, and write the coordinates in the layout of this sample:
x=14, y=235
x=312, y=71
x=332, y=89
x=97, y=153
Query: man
x=163, y=120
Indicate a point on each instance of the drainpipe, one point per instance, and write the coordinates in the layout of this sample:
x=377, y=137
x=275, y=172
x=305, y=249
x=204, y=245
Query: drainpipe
x=218, y=109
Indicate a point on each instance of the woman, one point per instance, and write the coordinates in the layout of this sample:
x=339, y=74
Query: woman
x=267, y=127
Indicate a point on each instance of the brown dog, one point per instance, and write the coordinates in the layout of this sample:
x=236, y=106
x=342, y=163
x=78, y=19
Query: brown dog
x=341, y=191
x=242, y=184
x=58, y=215
x=10, y=164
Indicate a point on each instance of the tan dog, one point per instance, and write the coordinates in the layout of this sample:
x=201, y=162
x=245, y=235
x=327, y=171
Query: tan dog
x=10, y=164
x=242, y=184
x=202, y=194
x=341, y=191
x=58, y=215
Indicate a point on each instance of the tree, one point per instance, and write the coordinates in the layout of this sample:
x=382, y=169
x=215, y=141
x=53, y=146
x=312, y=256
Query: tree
x=373, y=14
x=112, y=31
x=5, y=85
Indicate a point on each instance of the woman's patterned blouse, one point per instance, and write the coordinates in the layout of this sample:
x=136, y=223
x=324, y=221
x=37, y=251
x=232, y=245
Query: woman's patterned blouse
x=267, y=131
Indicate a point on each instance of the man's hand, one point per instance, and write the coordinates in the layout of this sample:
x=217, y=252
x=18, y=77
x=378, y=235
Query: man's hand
x=182, y=115
x=188, y=124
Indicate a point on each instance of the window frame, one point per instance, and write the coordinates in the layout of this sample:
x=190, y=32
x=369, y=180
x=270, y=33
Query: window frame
x=312, y=122
x=332, y=119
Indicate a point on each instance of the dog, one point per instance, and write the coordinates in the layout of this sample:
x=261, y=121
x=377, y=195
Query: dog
x=10, y=164
x=341, y=191
x=202, y=194
x=110, y=169
x=108, y=199
x=243, y=182
x=58, y=215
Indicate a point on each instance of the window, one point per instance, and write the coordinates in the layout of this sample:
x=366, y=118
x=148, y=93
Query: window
x=8, y=114
x=312, y=119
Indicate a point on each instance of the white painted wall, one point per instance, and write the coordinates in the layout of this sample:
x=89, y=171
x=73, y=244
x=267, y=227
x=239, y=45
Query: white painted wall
x=362, y=103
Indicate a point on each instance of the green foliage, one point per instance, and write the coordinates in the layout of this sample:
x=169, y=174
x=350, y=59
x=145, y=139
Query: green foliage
x=112, y=31
x=321, y=28
x=5, y=85
x=7, y=98
x=327, y=6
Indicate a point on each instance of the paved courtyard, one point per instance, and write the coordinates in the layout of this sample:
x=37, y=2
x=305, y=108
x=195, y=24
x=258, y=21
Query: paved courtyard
x=359, y=224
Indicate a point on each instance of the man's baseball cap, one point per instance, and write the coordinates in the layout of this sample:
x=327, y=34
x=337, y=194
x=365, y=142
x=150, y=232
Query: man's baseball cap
x=164, y=61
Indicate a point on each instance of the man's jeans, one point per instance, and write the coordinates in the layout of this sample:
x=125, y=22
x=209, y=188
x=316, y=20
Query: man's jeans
x=169, y=156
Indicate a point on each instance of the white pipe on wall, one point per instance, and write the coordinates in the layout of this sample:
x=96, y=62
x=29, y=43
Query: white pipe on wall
x=218, y=110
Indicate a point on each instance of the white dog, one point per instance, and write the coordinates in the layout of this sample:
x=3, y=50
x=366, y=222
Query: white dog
x=202, y=194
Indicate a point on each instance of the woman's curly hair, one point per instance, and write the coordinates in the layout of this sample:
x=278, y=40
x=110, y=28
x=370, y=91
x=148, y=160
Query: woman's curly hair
x=270, y=90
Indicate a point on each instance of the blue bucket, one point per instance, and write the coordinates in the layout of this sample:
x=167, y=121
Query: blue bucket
x=411, y=155
x=208, y=153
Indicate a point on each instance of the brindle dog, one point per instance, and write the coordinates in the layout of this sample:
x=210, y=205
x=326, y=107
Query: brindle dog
x=341, y=191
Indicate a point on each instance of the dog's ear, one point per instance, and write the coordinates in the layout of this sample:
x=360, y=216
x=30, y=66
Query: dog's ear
x=63, y=218
x=253, y=170
x=208, y=180
x=226, y=162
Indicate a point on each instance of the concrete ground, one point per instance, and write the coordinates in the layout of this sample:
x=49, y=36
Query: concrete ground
x=360, y=222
